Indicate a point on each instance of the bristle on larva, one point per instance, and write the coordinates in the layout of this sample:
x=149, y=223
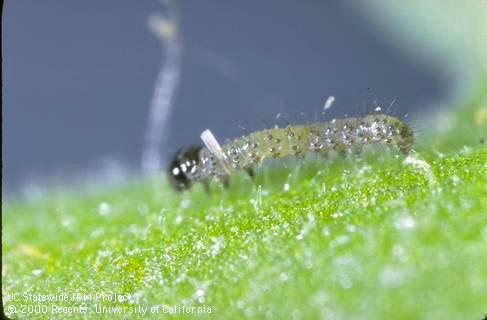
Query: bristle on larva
x=198, y=163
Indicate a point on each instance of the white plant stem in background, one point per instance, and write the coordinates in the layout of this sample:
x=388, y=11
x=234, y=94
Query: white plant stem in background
x=168, y=31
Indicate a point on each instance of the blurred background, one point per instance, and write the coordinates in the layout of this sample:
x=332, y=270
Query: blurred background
x=78, y=76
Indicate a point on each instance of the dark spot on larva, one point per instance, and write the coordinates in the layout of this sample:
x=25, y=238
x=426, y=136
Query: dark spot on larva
x=294, y=147
x=269, y=137
x=254, y=157
x=482, y=141
x=315, y=146
x=277, y=140
x=290, y=133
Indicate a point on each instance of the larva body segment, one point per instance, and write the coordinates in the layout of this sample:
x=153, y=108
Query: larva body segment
x=339, y=135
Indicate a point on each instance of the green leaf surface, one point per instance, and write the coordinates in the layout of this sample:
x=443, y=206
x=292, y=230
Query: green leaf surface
x=369, y=237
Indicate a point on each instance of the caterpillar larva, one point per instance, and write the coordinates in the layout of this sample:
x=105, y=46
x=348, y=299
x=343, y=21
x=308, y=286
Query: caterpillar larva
x=197, y=163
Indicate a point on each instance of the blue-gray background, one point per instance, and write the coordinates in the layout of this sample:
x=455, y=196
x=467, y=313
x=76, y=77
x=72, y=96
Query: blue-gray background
x=78, y=76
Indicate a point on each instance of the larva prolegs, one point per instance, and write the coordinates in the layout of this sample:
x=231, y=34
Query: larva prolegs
x=206, y=185
x=250, y=172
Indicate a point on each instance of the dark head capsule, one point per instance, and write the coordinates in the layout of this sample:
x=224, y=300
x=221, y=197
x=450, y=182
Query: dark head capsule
x=183, y=166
